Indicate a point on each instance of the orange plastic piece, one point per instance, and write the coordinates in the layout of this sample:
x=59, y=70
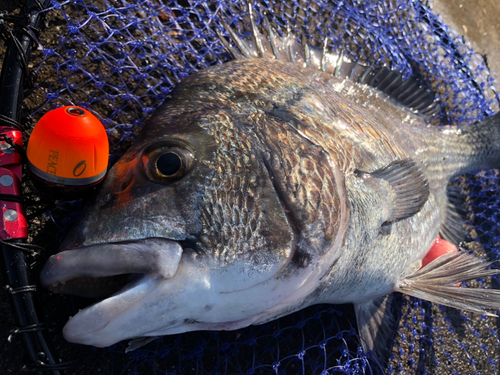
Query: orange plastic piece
x=439, y=248
x=68, y=147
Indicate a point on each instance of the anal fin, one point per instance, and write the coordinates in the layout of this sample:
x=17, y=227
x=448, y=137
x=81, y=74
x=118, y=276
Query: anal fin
x=376, y=326
x=453, y=229
x=409, y=186
x=436, y=283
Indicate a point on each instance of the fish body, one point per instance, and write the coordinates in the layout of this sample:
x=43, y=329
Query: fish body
x=264, y=186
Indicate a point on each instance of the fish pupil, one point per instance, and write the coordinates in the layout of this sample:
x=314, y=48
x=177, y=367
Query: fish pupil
x=169, y=164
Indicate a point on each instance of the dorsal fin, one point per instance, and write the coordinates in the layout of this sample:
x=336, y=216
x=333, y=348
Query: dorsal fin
x=405, y=92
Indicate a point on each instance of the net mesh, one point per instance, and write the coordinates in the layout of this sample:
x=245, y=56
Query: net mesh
x=121, y=58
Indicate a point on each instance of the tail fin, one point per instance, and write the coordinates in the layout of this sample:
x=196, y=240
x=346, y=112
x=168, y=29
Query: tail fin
x=435, y=283
x=456, y=150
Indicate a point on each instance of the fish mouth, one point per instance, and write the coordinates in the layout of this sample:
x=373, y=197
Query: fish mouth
x=101, y=270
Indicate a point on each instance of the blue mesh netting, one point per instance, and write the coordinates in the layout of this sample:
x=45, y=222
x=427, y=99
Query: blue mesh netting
x=121, y=58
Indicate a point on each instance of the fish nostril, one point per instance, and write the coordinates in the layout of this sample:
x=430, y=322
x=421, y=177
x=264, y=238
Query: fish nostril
x=107, y=198
x=127, y=181
x=108, y=201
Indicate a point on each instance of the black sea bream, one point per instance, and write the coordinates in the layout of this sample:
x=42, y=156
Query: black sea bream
x=284, y=178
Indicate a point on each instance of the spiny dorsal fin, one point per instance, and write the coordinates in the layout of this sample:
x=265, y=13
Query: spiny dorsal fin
x=405, y=92
x=409, y=185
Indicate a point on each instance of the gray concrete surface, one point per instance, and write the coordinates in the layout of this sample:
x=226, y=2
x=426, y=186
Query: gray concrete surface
x=478, y=21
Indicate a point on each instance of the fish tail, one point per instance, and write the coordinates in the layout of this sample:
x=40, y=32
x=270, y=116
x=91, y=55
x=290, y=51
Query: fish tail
x=464, y=148
x=436, y=283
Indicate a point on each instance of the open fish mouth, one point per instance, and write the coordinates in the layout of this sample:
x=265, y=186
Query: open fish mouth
x=98, y=271
x=154, y=287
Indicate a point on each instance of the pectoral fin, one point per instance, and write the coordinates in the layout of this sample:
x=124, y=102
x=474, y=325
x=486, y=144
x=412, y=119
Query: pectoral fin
x=408, y=188
x=376, y=326
x=139, y=342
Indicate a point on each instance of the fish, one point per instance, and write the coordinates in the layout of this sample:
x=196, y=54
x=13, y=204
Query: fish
x=287, y=177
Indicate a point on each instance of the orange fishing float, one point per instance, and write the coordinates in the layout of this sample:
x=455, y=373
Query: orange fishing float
x=439, y=248
x=68, y=150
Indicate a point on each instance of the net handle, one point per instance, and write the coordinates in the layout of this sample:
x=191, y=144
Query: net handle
x=14, y=79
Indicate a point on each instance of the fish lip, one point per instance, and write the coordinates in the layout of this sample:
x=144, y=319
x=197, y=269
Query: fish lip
x=149, y=256
x=107, y=309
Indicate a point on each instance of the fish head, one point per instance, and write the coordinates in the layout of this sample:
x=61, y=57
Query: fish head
x=189, y=232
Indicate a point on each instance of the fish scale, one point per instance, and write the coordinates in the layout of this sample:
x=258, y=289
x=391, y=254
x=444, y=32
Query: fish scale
x=296, y=187
x=235, y=177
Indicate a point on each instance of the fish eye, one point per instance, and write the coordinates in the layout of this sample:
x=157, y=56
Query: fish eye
x=166, y=163
x=169, y=164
